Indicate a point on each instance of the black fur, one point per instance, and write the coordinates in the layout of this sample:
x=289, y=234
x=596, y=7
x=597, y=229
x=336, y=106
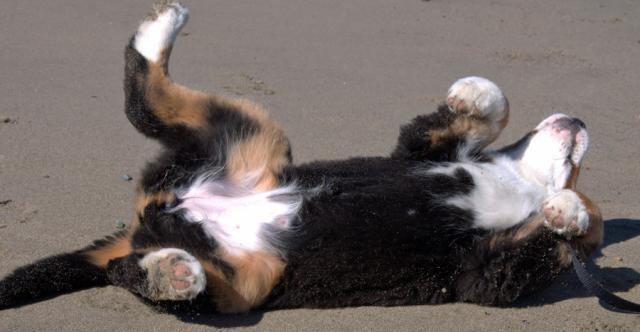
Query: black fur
x=500, y=275
x=48, y=278
x=126, y=273
x=375, y=234
x=371, y=231
x=414, y=142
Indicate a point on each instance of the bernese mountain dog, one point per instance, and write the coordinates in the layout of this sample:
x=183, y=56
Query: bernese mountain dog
x=224, y=222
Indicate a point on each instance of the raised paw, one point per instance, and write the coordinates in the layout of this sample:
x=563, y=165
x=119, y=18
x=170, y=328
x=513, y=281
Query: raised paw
x=565, y=213
x=478, y=97
x=173, y=274
x=159, y=29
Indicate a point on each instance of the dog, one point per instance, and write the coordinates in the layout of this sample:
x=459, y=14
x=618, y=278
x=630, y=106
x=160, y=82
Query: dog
x=224, y=222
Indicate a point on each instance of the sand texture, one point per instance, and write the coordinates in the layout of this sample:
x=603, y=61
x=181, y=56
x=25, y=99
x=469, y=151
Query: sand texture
x=340, y=76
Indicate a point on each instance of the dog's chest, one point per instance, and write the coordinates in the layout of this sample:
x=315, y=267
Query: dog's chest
x=501, y=196
x=236, y=217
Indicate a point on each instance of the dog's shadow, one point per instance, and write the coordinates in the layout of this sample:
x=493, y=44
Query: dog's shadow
x=614, y=279
x=223, y=321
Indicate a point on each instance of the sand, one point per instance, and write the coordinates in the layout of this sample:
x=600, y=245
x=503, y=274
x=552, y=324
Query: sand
x=340, y=76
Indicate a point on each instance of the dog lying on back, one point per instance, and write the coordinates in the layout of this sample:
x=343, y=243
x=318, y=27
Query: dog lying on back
x=224, y=222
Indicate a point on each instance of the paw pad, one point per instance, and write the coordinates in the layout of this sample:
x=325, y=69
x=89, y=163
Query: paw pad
x=565, y=213
x=173, y=274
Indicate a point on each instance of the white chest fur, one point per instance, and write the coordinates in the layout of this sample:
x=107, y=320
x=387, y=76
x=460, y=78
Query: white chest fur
x=501, y=197
x=236, y=217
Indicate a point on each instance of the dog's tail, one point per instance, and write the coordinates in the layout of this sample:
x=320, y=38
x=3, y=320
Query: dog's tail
x=63, y=273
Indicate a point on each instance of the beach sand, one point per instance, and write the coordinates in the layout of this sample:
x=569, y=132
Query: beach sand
x=341, y=77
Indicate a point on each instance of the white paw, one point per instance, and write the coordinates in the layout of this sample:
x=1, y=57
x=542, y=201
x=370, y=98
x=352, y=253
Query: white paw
x=565, y=213
x=159, y=30
x=477, y=96
x=173, y=274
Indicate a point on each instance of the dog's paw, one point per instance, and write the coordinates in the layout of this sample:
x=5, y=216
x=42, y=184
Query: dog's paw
x=159, y=29
x=565, y=213
x=173, y=274
x=478, y=97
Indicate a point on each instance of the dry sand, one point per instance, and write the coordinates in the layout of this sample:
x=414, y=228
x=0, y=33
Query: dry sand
x=340, y=76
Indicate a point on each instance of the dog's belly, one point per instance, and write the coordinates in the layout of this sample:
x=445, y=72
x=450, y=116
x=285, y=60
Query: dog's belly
x=397, y=242
x=235, y=216
x=387, y=241
x=389, y=235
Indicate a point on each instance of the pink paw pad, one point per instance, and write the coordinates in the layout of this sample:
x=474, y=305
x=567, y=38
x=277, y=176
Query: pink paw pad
x=173, y=274
x=179, y=271
x=565, y=213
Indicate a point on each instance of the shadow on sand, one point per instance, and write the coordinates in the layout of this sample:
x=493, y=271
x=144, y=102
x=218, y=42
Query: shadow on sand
x=223, y=321
x=614, y=279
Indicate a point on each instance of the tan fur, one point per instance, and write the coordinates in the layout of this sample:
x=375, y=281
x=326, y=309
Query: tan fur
x=226, y=298
x=143, y=200
x=572, y=181
x=529, y=229
x=100, y=257
x=255, y=275
x=590, y=241
x=480, y=129
x=159, y=198
x=264, y=153
x=261, y=157
x=172, y=103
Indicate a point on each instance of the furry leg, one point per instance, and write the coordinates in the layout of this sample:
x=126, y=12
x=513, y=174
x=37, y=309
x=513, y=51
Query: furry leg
x=475, y=114
x=63, y=273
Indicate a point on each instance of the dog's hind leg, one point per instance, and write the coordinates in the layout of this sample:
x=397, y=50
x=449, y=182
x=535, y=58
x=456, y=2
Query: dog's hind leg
x=475, y=113
x=236, y=133
x=156, y=106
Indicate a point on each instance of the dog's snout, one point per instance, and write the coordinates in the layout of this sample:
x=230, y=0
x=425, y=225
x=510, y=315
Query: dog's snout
x=579, y=123
x=572, y=124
